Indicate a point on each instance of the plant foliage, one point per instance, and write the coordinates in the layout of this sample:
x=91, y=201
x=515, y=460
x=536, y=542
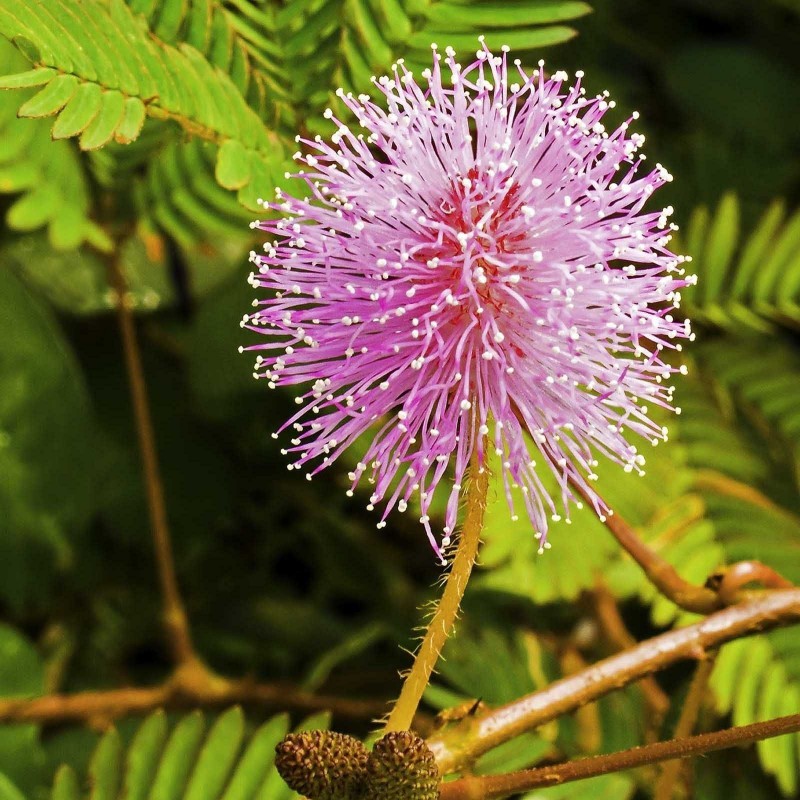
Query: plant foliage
x=187, y=761
x=146, y=131
x=751, y=282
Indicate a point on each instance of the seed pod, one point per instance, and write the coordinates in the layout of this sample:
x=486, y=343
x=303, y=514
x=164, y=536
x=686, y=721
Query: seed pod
x=402, y=767
x=323, y=765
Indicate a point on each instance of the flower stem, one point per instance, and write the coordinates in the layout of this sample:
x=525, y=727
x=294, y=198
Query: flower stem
x=175, y=619
x=447, y=610
x=660, y=572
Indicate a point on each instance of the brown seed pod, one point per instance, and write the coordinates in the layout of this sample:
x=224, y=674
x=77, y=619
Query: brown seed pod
x=402, y=767
x=323, y=765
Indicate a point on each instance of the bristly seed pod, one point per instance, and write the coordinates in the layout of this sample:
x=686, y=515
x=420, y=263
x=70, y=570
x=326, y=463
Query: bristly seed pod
x=323, y=765
x=402, y=767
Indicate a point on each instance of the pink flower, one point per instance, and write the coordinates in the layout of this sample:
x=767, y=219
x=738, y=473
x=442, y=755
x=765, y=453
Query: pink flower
x=475, y=270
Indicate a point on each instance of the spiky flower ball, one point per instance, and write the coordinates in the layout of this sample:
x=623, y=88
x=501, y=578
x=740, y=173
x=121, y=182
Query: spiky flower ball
x=323, y=765
x=473, y=269
x=402, y=767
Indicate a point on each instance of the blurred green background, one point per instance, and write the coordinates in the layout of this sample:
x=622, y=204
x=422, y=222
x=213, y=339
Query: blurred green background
x=286, y=579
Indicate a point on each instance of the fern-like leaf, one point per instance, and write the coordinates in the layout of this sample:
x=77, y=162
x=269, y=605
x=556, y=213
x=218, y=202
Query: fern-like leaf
x=47, y=176
x=763, y=375
x=101, y=98
x=758, y=679
x=334, y=43
x=753, y=282
x=181, y=194
x=187, y=762
x=238, y=36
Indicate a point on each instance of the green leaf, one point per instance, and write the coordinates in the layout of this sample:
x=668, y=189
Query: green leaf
x=65, y=786
x=720, y=245
x=108, y=120
x=510, y=553
x=217, y=757
x=27, y=48
x=516, y=39
x=46, y=436
x=182, y=194
x=33, y=210
x=233, y=165
x=8, y=791
x=752, y=282
x=52, y=98
x=514, y=669
x=105, y=767
x=166, y=82
x=143, y=756
x=256, y=763
x=178, y=759
x=330, y=49
x=187, y=764
x=26, y=80
x=31, y=162
x=130, y=126
x=605, y=787
x=79, y=112
x=758, y=679
x=458, y=17
x=21, y=676
x=355, y=644
x=765, y=374
x=521, y=752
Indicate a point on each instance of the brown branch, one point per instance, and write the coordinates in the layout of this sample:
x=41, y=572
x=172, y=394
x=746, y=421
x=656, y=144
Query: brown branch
x=175, y=619
x=665, y=788
x=494, y=787
x=102, y=707
x=733, y=578
x=660, y=572
x=461, y=744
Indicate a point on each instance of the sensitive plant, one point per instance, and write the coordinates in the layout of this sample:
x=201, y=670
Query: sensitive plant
x=476, y=269
x=473, y=267
x=157, y=147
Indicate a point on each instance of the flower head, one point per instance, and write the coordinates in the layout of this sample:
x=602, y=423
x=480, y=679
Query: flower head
x=472, y=270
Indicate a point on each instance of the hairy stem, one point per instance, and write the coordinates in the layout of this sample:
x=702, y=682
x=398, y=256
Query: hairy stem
x=499, y=786
x=175, y=619
x=447, y=610
x=462, y=743
x=665, y=788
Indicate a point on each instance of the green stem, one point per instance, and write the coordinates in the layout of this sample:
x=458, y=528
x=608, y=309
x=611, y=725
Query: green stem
x=446, y=612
